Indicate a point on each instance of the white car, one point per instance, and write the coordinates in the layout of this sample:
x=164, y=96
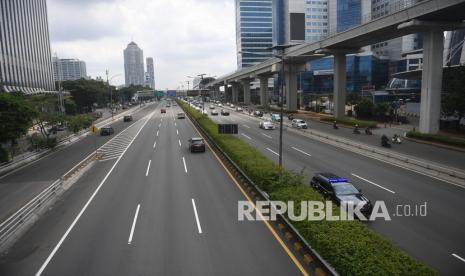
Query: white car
x=220, y=105
x=239, y=109
x=232, y=106
x=299, y=123
x=205, y=113
x=212, y=107
x=214, y=112
x=267, y=125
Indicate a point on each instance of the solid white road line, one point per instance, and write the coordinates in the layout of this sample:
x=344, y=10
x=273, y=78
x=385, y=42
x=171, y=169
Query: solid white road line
x=267, y=136
x=70, y=228
x=154, y=144
x=246, y=136
x=148, y=168
x=458, y=257
x=301, y=151
x=366, y=180
x=179, y=142
x=274, y=152
x=134, y=224
x=196, y=217
x=184, y=161
x=246, y=126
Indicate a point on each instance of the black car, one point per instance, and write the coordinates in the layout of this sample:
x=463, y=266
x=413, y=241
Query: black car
x=105, y=131
x=339, y=190
x=196, y=145
x=224, y=112
x=127, y=118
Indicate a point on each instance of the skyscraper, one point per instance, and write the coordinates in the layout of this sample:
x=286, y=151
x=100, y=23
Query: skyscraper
x=254, y=31
x=134, y=65
x=316, y=20
x=69, y=69
x=25, y=55
x=150, y=77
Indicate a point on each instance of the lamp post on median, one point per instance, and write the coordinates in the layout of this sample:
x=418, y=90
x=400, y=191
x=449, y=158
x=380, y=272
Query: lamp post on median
x=111, y=91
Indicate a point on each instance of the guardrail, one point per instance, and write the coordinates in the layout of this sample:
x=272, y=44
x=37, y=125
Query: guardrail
x=19, y=221
x=313, y=261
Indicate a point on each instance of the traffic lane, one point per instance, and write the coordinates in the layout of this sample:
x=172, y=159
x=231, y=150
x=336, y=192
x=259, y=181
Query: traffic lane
x=234, y=247
x=17, y=188
x=29, y=252
x=421, y=189
x=166, y=240
x=98, y=244
x=435, y=154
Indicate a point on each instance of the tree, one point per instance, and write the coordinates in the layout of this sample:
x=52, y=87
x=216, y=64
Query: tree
x=16, y=116
x=364, y=108
x=86, y=93
x=453, y=103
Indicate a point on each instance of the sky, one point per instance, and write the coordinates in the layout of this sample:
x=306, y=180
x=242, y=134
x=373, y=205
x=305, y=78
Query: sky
x=185, y=37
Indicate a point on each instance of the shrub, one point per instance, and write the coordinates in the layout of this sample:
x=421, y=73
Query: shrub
x=351, y=121
x=349, y=246
x=440, y=138
x=4, y=155
x=364, y=108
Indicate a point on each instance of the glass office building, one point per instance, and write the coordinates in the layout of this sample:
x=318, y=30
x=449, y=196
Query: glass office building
x=362, y=71
x=254, y=31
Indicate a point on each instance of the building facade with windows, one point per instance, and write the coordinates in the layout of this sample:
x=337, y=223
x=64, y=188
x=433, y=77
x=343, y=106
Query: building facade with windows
x=25, y=54
x=150, y=74
x=69, y=69
x=316, y=20
x=254, y=31
x=134, y=73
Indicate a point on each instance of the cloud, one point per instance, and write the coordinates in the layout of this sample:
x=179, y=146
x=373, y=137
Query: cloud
x=185, y=37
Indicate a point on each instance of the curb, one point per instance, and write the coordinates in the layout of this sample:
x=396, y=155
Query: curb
x=439, y=145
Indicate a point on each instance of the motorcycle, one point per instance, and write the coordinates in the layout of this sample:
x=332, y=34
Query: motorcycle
x=356, y=130
x=335, y=125
x=368, y=131
x=396, y=139
x=385, y=141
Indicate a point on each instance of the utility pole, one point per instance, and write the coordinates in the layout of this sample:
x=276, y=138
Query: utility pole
x=111, y=94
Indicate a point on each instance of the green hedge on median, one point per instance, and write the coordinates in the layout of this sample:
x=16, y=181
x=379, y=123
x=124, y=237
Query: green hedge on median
x=351, y=122
x=440, y=138
x=350, y=247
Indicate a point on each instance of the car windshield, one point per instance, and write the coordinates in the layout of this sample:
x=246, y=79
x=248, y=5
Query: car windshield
x=345, y=189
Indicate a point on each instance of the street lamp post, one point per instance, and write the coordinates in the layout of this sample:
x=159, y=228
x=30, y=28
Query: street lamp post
x=111, y=91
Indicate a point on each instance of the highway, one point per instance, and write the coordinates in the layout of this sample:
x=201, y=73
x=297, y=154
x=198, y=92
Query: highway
x=156, y=209
x=436, y=239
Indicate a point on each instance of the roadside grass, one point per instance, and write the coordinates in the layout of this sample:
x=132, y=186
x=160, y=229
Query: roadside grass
x=349, y=246
x=351, y=121
x=439, y=138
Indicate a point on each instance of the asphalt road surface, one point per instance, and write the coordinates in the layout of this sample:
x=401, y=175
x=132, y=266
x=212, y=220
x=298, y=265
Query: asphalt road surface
x=156, y=209
x=436, y=239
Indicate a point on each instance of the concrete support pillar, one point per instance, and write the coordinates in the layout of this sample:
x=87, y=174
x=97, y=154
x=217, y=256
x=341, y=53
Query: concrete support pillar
x=290, y=77
x=431, y=84
x=227, y=93
x=339, y=85
x=246, y=87
x=264, y=91
x=235, y=92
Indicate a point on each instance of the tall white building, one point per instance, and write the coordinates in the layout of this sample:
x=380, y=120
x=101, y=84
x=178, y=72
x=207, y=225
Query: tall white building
x=150, y=74
x=134, y=65
x=69, y=69
x=25, y=55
